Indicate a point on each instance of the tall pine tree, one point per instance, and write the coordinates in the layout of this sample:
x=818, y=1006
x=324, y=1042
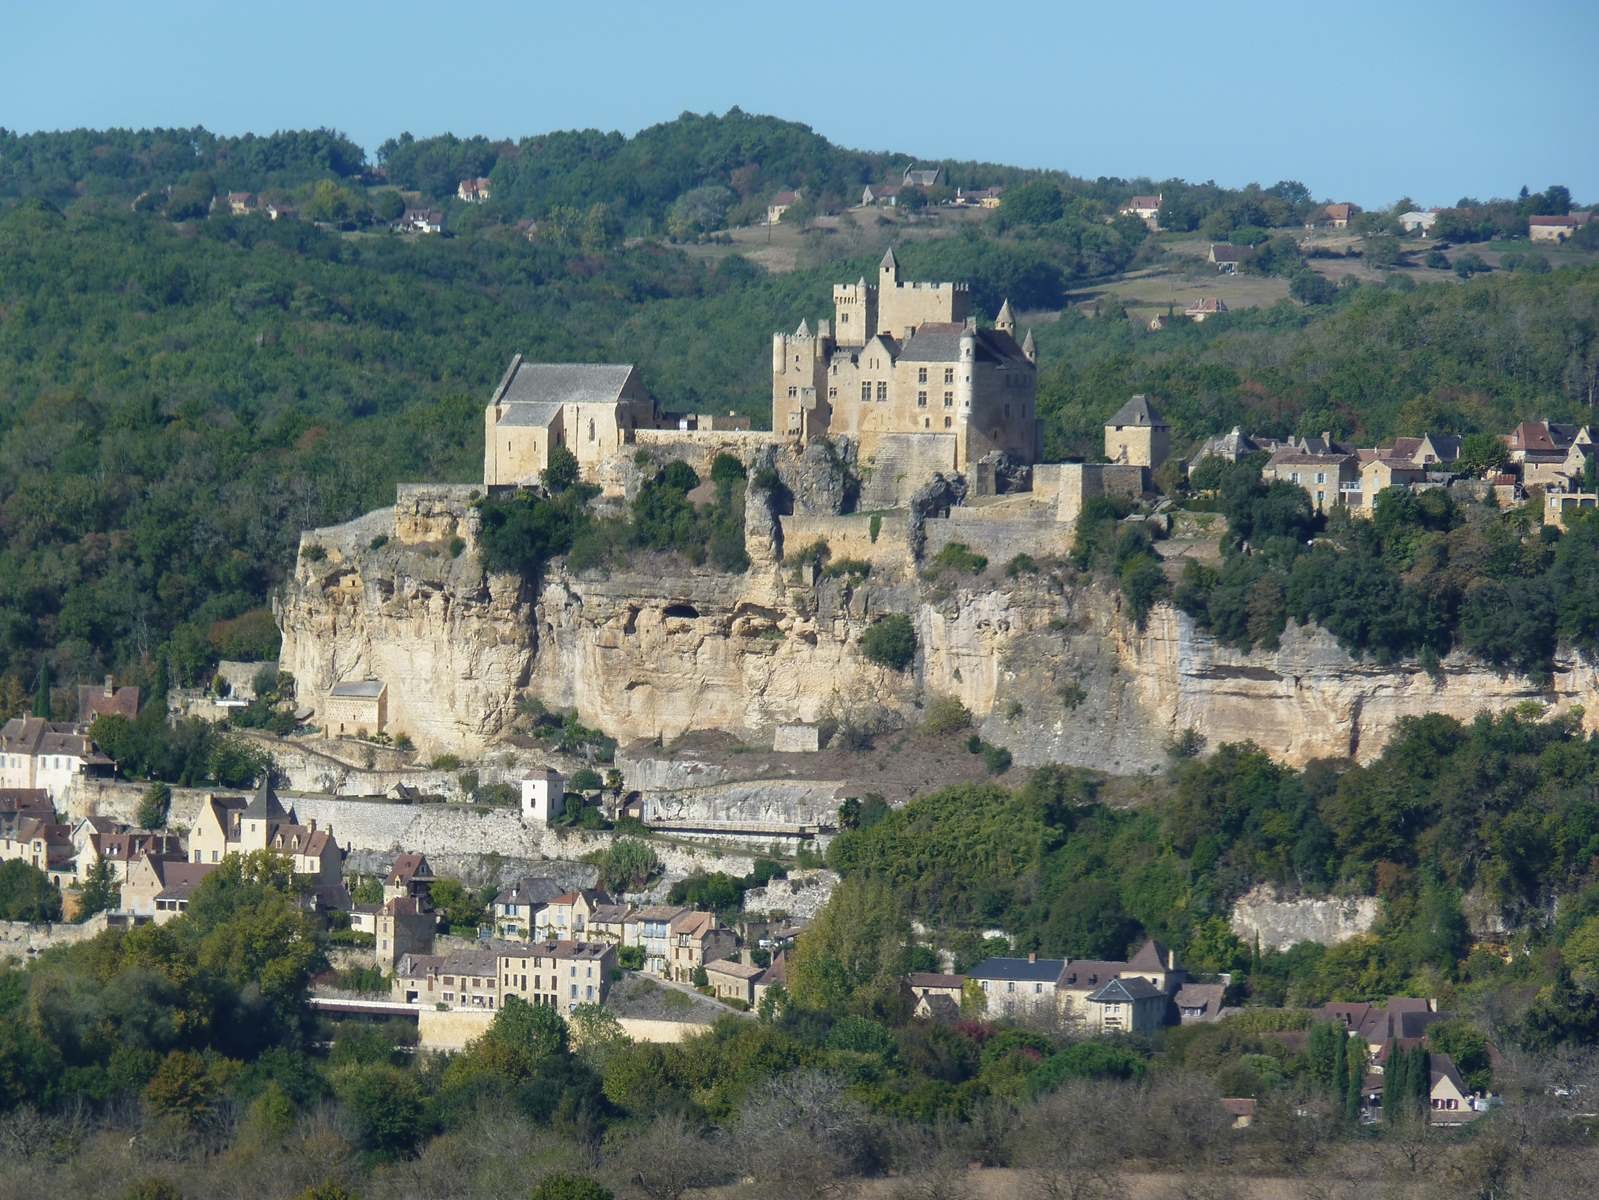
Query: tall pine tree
x=41, y=696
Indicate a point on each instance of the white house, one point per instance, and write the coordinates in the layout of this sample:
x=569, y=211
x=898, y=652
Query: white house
x=543, y=795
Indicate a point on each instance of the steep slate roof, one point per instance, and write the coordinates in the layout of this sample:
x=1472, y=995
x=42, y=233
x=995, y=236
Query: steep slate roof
x=1206, y=997
x=1089, y=972
x=940, y=342
x=1125, y=991
x=563, y=383
x=179, y=878
x=264, y=804
x=889, y=262
x=408, y=867
x=1138, y=411
x=531, y=889
x=1226, y=252
x=1019, y=970
x=1441, y=1067
x=106, y=701
x=1151, y=956
x=931, y=979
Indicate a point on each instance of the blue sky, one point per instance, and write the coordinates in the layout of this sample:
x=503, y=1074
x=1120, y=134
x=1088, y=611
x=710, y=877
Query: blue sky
x=1348, y=98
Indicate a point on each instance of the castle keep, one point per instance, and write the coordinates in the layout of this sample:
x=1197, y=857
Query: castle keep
x=903, y=359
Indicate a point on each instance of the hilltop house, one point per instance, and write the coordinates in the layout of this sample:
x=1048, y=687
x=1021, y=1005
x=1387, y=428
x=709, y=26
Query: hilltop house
x=905, y=362
x=516, y=908
x=922, y=177
x=1416, y=221
x=780, y=204
x=474, y=191
x=1204, y=308
x=650, y=928
x=881, y=195
x=1319, y=465
x=1556, y=229
x=1145, y=208
x=1227, y=258
x=1333, y=216
x=106, y=701
x=420, y=220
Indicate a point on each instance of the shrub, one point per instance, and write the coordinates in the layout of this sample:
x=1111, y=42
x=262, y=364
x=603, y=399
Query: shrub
x=855, y=568
x=875, y=526
x=699, y=978
x=154, y=805
x=314, y=553
x=946, y=715
x=1437, y=260
x=378, y=542
x=726, y=470
x=586, y=779
x=890, y=642
x=630, y=958
x=457, y=544
x=446, y=762
x=1072, y=694
x=816, y=553
x=997, y=759
x=957, y=556
x=1022, y=564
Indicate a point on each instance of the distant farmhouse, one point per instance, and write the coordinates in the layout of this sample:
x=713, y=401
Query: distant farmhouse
x=1145, y=208
x=1556, y=229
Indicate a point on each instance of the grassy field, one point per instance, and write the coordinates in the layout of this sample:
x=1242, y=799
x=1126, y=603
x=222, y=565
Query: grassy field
x=783, y=247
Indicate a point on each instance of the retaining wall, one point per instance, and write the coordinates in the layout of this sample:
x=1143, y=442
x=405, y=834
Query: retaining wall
x=999, y=539
x=850, y=536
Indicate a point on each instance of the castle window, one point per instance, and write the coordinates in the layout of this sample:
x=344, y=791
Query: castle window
x=591, y=429
x=921, y=399
x=949, y=399
x=946, y=422
x=882, y=390
x=866, y=392
x=921, y=375
x=832, y=393
x=792, y=392
x=927, y=422
x=949, y=374
x=843, y=318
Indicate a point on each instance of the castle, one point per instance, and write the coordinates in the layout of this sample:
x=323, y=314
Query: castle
x=905, y=358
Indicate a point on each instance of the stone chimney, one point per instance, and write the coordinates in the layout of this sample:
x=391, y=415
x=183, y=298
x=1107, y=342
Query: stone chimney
x=110, y=686
x=1032, y=956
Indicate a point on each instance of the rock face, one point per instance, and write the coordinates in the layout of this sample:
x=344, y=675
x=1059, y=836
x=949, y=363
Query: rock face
x=1047, y=664
x=1263, y=916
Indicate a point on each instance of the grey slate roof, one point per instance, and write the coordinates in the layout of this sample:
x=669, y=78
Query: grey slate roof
x=940, y=342
x=1138, y=411
x=531, y=889
x=1125, y=991
x=264, y=804
x=1044, y=970
x=359, y=689
x=565, y=383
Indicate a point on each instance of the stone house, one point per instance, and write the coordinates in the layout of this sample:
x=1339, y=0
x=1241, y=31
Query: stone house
x=409, y=878
x=356, y=708
x=420, y=220
x=881, y=195
x=474, y=191
x=1376, y=476
x=775, y=975
x=569, y=916
x=35, y=753
x=937, y=996
x=1417, y=221
x=402, y=926
x=97, y=839
x=44, y=844
x=228, y=825
x=1556, y=229
x=650, y=928
x=554, y=974
x=905, y=358
x=697, y=939
x=1333, y=216
x=1320, y=466
x=591, y=409
x=1015, y=986
x=1137, y=435
x=733, y=980
x=608, y=923
x=160, y=888
x=19, y=803
x=107, y=700
x=516, y=908
x=1127, y=1004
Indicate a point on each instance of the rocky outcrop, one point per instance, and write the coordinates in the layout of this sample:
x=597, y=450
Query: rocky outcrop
x=1047, y=663
x=1264, y=918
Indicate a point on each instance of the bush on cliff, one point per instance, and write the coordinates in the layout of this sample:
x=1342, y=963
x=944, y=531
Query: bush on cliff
x=890, y=642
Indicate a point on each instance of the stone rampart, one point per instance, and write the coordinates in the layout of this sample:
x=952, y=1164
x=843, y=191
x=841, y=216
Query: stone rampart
x=999, y=539
x=21, y=939
x=850, y=536
x=899, y=464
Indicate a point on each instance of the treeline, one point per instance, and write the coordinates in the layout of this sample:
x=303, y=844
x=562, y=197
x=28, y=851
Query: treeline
x=1497, y=813
x=121, y=163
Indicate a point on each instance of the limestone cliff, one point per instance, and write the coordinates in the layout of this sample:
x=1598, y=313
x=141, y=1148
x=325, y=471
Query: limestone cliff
x=1047, y=662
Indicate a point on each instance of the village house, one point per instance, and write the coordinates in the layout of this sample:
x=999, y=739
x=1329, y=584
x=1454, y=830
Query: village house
x=989, y=197
x=1233, y=446
x=1227, y=258
x=241, y=203
x=1447, y=1098
x=1199, y=1003
x=650, y=929
x=908, y=359
x=98, y=839
x=474, y=191
x=160, y=888
x=1016, y=986
x=922, y=177
x=403, y=925
x=937, y=996
x=731, y=980
x=1128, y=1004
x=420, y=220
x=44, y=755
x=1556, y=229
x=1204, y=308
x=1145, y=208
x=1333, y=216
x=107, y=700
x=356, y=708
x=780, y=204
x=880, y=195
x=516, y=908
x=554, y=974
x=410, y=877
x=570, y=916
x=228, y=825
x=1319, y=465
x=281, y=212
x=1137, y=435
x=44, y=844
x=17, y=803
x=697, y=938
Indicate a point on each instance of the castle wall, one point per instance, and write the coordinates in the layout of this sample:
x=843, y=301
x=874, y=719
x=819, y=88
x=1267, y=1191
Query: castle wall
x=435, y=512
x=850, y=536
x=998, y=539
x=516, y=455
x=901, y=463
x=1137, y=445
x=903, y=306
x=1074, y=484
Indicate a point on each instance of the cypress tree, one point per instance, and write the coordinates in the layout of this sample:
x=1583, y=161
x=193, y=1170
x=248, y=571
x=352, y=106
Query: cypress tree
x=1337, y=1084
x=41, y=697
